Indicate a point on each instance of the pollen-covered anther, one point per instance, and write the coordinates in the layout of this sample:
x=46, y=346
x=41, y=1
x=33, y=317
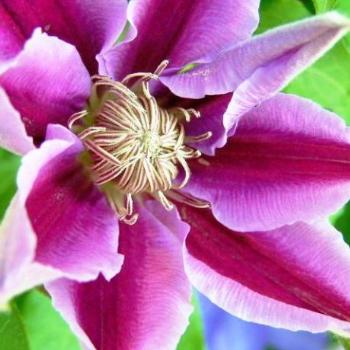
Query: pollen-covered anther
x=136, y=147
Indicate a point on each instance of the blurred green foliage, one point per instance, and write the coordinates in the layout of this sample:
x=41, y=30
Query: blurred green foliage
x=45, y=327
x=344, y=342
x=277, y=12
x=193, y=338
x=324, y=5
x=13, y=335
x=9, y=164
x=31, y=323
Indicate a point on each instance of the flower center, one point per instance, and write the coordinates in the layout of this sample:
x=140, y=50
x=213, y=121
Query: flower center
x=135, y=146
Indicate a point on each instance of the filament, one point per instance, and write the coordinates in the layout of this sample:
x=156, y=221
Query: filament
x=136, y=146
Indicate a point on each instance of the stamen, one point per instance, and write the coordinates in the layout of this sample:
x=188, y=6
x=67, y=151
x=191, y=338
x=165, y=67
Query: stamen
x=165, y=201
x=187, y=173
x=90, y=131
x=203, y=161
x=75, y=117
x=129, y=204
x=161, y=67
x=186, y=113
x=187, y=199
x=144, y=76
x=199, y=138
x=136, y=146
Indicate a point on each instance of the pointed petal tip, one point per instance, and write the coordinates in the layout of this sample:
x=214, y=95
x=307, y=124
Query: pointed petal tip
x=332, y=18
x=117, y=263
x=337, y=19
x=341, y=333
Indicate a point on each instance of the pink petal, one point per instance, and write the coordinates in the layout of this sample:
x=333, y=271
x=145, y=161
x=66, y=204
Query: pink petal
x=212, y=110
x=91, y=26
x=75, y=229
x=295, y=277
x=12, y=132
x=258, y=68
x=289, y=160
x=18, y=271
x=147, y=305
x=46, y=83
x=181, y=31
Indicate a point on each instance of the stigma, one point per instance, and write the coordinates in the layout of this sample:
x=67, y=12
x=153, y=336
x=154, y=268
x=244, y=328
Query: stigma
x=136, y=148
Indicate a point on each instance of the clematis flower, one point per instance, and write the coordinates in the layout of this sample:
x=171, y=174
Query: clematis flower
x=165, y=158
x=224, y=332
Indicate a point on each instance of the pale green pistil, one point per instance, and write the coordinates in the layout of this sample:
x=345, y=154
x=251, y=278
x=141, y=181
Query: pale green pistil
x=151, y=144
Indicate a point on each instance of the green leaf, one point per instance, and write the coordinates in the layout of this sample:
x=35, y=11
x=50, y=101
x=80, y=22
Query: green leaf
x=45, y=328
x=341, y=222
x=9, y=164
x=12, y=331
x=193, y=338
x=342, y=6
x=277, y=12
x=343, y=341
x=324, y=5
x=327, y=82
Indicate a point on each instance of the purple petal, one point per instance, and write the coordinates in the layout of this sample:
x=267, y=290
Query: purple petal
x=147, y=305
x=76, y=231
x=258, y=68
x=12, y=132
x=181, y=31
x=91, y=26
x=288, y=161
x=46, y=83
x=295, y=277
x=212, y=110
x=18, y=270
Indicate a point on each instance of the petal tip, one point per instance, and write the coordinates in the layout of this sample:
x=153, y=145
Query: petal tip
x=338, y=19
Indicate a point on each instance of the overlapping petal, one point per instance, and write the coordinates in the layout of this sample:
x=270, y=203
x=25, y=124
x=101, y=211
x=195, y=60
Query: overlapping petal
x=13, y=135
x=76, y=231
x=91, y=26
x=294, y=277
x=18, y=270
x=289, y=160
x=285, y=50
x=147, y=305
x=181, y=31
x=211, y=109
x=256, y=69
x=46, y=83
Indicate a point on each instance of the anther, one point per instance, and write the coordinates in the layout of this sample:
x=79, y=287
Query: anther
x=165, y=201
x=199, y=138
x=75, y=117
x=161, y=67
x=185, y=198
